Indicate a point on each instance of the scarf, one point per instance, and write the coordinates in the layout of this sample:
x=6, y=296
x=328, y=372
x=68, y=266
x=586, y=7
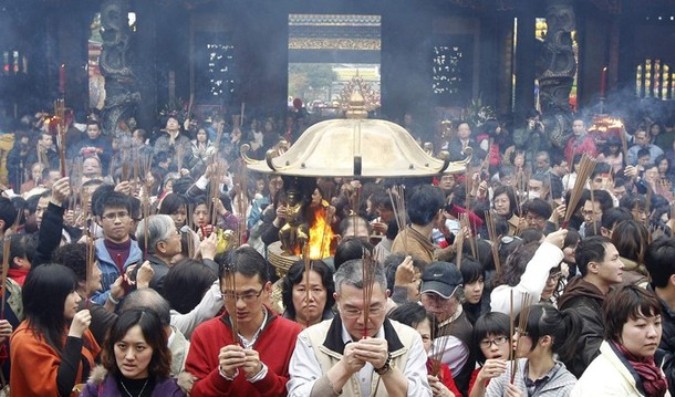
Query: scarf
x=653, y=382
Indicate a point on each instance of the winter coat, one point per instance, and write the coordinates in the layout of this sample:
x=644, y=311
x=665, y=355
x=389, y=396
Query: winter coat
x=559, y=384
x=102, y=385
x=586, y=300
x=608, y=375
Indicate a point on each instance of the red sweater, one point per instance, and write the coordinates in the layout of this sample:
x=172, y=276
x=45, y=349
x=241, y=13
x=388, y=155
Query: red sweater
x=275, y=346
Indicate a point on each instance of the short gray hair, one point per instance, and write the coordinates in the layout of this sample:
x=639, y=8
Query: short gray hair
x=351, y=273
x=160, y=228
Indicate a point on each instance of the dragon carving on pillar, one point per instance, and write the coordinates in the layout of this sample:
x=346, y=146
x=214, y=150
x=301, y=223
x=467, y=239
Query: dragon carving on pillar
x=122, y=95
x=556, y=67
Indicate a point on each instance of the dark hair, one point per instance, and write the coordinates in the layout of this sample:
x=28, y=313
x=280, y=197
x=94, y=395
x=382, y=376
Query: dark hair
x=644, y=152
x=591, y=249
x=424, y=203
x=412, y=314
x=295, y=275
x=531, y=235
x=631, y=238
x=21, y=246
x=627, y=302
x=564, y=327
x=109, y=199
x=599, y=196
x=350, y=248
x=43, y=295
x=171, y=203
x=392, y=262
x=613, y=216
x=513, y=203
x=538, y=207
x=73, y=256
x=659, y=261
x=7, y=213
x=633, y=201
x=601, y=168
x=244, y=260
x=516, y=263
x=186, y=283
x=154, y=335
x=493, y=323
x=471, y=271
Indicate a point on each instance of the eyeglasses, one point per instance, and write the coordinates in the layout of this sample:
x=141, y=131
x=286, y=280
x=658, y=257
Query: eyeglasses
x=246, y=297
x=498, y=341
x=352, y=312
x=112, y=215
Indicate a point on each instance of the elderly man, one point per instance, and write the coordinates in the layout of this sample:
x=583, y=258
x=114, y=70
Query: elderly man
x=359, y=352
x=164, y=243
x=442, y=286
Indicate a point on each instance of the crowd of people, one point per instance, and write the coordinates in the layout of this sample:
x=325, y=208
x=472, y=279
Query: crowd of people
x=143, y=268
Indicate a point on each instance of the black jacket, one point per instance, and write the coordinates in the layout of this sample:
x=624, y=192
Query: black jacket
x=586, y=300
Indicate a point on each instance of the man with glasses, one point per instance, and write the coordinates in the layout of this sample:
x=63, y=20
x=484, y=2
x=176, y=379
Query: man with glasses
x=441, y=294
x=255, y=361
x=115, y=251
x=359, y=352
x=163, y=243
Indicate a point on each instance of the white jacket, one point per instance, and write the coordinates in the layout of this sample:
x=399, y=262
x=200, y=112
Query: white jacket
x=532, y=281
x=606, y=376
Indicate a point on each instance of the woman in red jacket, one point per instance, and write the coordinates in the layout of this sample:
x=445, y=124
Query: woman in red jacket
x=52, y=350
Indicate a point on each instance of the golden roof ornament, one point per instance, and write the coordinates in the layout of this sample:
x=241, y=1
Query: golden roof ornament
x=354, y=147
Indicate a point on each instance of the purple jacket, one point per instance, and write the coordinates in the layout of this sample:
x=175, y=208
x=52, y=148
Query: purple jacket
x=164, y=388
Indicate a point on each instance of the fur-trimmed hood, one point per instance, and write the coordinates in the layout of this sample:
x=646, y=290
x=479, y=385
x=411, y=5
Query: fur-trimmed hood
x=97, y=375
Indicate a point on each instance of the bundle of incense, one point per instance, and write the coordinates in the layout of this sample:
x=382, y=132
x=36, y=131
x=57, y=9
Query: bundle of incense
x=624, y=144
x=308, y=267
x=468, y=182
x=466, y=225
x=5, y=271
x=231, y=294
x=459, y=242
x=512, y=333
x=243, y=200
x=90, y=263
x=398, y=205
x=60, y=113
x=438, y=347
x=585, y=168
x=595, y=223
x=492, y=236
x=368, y=283
x=214, y=183
x=525, y=302
x=180, y=155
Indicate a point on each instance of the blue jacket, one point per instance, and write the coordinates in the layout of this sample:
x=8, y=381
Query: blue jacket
x=109, y=268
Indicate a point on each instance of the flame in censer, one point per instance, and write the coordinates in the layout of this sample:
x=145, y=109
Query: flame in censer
x=320, y=234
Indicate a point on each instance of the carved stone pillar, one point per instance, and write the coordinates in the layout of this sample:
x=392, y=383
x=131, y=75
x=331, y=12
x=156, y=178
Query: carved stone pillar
x=556, y=68
x=122, y=96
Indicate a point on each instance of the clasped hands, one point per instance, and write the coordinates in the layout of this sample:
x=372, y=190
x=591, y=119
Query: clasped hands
x=368, y=350
x=232, y=358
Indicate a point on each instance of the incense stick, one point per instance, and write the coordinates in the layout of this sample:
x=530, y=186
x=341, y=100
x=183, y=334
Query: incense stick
x=231, y=293
x=308, y=267
x=5, y=271
x=585, y=168
x=368, y=282
x=525, y=302
x=492, y=236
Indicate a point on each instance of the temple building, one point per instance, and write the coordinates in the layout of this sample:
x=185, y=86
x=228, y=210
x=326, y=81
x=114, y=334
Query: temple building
x=424, y=58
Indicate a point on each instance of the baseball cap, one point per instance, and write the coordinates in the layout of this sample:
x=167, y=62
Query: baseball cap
x=441, y=278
